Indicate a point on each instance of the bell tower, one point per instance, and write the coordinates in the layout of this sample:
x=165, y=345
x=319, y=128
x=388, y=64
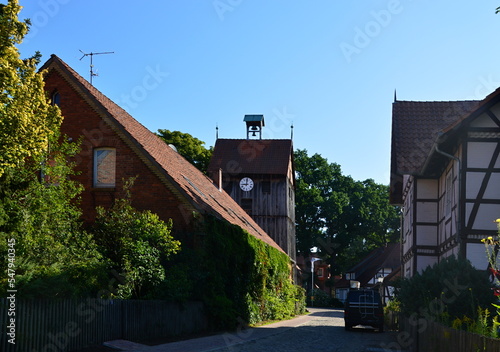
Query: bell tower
x=259, y=175
x=254, y=125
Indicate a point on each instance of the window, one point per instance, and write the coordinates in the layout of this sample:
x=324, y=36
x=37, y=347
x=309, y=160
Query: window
x=449, y=194
x=56, y=99
x=246, y=204
x=320, y=272
x=104, y=167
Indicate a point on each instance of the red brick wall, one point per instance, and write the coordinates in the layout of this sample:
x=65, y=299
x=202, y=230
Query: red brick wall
x=80, y=119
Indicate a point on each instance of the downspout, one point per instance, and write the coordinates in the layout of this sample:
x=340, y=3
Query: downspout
x=459, y=210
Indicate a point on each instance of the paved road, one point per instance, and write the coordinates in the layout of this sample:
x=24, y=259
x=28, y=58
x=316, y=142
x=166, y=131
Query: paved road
x=320, y=331
x=324, y=332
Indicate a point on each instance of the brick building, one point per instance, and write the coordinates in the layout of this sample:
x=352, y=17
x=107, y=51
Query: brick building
x=116, y=147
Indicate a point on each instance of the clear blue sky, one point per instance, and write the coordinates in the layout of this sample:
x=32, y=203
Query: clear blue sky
x=329, y=67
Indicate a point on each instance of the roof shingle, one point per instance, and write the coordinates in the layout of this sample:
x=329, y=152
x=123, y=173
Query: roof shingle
x=252, y=156
x=415, y=128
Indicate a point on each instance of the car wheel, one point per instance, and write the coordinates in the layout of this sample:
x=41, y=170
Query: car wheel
x=348, y=327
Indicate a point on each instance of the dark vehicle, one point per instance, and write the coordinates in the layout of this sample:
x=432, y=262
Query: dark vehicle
x=363, y=307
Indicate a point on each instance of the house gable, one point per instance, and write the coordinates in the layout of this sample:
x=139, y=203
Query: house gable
x=167, y=184
x=461, y=159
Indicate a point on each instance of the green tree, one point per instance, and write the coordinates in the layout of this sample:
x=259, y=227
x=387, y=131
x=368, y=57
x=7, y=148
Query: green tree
x=27, y=120
x=191, y=148
x=137, y=243
x=343, y=218
x=39, y=217
x=39, y=214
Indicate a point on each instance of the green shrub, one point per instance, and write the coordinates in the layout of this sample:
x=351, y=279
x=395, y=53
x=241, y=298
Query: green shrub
x=137, y=243
x=451, y=289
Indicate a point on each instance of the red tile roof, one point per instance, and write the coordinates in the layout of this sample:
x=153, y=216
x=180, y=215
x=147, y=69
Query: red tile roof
x=415, y=128
x=178, y=174
x=252, y=156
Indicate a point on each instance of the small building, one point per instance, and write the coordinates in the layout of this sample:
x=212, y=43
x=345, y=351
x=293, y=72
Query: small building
x=445, y=173
x=259, y=175
x=371, y=271
x=116, y=147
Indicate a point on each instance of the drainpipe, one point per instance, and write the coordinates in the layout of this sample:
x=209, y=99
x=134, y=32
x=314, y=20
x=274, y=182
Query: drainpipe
x=459, y=210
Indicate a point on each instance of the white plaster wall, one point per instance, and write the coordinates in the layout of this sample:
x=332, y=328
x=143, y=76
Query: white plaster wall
x=426, y=235
x=473, y=183
x=476, y=253
x=479, y=154
x=484, y=120
x=427, y=189
x=486, y=216
x=427, y=211
x=493, y=188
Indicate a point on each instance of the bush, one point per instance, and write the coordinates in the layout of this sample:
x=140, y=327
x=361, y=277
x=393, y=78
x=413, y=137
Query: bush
x=322, y=299
x=451, y=289
x=137, y=243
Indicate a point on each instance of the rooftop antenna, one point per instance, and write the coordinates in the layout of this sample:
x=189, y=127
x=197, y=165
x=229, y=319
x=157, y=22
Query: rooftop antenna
x=91, y=54
x=216, y=131
x=291, y=131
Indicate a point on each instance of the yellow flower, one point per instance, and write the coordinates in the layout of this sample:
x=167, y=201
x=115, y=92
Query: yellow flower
x=497, y=221
x=490, y=238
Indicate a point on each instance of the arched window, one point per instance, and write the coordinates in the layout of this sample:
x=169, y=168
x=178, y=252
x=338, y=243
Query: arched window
x=104, y=167
x=56, y=98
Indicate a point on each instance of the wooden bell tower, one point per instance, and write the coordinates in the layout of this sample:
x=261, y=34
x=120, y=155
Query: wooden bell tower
x=254, y=125
x=259, y=175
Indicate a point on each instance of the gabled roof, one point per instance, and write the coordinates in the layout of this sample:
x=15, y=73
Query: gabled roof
x=252, y=156
x=415, y=128
x=181, y=177
x=366, y=269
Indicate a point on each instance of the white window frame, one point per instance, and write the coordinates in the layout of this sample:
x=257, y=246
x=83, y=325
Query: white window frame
x=448, y=197
x=97, y=166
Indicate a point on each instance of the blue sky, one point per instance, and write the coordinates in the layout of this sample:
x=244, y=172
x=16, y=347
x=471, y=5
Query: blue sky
x=329, y=67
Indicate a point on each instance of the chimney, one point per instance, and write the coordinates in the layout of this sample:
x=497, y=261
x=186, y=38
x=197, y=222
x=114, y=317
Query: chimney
x=218, y=180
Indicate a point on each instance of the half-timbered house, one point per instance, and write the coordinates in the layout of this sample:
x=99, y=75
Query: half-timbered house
x=445, y=172
x=371, y=271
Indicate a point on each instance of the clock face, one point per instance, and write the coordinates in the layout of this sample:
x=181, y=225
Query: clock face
x=246, y=184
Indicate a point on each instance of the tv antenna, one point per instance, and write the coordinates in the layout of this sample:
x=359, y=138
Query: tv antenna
x=91, y=54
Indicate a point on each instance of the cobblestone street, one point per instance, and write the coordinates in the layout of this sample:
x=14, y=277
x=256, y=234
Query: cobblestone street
x=320, y=331
x=325, y=332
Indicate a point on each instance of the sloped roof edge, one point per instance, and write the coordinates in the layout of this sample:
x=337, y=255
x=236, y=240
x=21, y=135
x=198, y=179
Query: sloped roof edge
x=181, y=177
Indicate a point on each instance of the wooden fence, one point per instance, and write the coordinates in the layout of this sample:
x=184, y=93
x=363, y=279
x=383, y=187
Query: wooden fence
x=421, y=335
x=66, y=325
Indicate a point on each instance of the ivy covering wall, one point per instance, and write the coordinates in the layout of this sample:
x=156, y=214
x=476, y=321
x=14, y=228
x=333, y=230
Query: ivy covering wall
x=240, y=278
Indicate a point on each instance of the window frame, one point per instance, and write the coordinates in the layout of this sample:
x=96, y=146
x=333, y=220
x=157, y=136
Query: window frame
x=95, y=171
x=448, y=197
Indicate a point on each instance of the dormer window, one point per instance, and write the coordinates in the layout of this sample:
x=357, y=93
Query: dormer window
x=104, y=167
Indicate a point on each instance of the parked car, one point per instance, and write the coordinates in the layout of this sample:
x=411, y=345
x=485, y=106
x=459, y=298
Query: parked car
x=363, y=307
